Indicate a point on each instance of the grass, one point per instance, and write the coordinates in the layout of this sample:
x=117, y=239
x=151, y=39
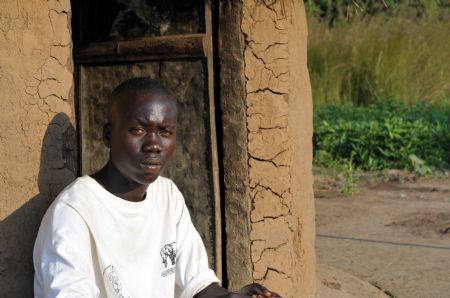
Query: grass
x=380, y=58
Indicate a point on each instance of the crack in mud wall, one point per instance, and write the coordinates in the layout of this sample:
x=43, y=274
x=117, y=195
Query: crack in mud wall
x=37, y=138
x=279, y=127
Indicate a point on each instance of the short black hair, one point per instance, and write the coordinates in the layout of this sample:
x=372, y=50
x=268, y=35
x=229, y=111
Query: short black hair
x=139, y=85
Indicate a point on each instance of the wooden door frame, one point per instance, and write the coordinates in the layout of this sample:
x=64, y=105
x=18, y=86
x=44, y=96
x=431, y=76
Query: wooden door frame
x=231, y=89
x=222, y=47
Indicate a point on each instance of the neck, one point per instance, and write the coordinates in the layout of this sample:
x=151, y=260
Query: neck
x=114, y=182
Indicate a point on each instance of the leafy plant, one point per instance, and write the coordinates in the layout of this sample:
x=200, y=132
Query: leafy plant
x=383, y=135
x=350, y=185
x=419, y=165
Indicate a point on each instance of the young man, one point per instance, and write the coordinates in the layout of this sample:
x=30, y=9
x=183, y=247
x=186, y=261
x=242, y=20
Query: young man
x=125, y=231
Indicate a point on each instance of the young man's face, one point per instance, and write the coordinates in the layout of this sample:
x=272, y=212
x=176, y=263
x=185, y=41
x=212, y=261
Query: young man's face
x=143, y=136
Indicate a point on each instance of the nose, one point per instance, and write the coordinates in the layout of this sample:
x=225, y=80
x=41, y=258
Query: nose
x=152, y=143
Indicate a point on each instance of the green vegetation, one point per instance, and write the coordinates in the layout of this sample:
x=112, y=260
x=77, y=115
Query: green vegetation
x=383, y=135
x=383, y=56
x=336, y=11
x=350, y=185
x=380, y=73
x=378, y=59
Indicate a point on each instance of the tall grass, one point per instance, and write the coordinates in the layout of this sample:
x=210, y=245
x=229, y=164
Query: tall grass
x=380, y=58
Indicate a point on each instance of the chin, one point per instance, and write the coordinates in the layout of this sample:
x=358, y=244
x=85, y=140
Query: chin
x=147, y=179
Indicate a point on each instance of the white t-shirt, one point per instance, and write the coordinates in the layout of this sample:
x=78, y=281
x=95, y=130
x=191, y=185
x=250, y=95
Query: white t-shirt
x=94, y=244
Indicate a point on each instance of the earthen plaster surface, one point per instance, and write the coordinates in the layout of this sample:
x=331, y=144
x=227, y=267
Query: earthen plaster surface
x=279, y=123
x=37, y=140
x=36, y=128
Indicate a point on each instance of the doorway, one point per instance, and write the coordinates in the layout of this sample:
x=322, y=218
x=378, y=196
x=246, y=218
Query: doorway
x=170, y=41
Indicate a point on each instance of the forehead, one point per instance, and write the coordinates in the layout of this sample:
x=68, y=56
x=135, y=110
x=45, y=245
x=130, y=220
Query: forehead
x=145, y=105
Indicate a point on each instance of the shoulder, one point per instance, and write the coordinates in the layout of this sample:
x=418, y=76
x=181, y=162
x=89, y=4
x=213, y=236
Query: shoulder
x=164, y=182
x=69, y=204
x=85, y=195
x=74, y=193
x=67, y=195
x=167, y=193
x=60, y=223
x=72, y=212
x=78, y=189
x=165, y=186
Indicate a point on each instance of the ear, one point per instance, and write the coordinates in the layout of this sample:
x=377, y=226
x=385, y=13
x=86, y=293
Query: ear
x=107, y=135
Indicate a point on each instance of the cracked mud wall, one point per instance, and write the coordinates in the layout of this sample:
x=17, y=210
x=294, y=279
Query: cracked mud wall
x=37, y=138
x=279, y=124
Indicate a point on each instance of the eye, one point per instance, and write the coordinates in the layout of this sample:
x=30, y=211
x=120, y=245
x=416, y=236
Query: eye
x=137, y=131
x=165, y=132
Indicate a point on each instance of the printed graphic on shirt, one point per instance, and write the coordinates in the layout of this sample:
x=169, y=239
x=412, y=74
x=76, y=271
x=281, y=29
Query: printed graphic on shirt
x=112, y=276
x=168, y=255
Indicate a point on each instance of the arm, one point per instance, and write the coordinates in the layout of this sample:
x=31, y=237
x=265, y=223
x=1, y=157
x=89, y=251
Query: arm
x=192, y=271
x=62, y=256
x=193, y=274
x=252, y=290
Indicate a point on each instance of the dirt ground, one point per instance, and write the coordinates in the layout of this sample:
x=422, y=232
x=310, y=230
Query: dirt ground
x=394, y=235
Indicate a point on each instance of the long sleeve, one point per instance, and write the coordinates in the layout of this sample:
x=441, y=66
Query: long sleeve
x=62, y=256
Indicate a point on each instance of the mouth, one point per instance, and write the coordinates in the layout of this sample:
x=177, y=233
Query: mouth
x=151, y=166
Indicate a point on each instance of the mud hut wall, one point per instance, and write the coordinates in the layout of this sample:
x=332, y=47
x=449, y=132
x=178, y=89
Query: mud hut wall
x=36, y=129
x=279, y=123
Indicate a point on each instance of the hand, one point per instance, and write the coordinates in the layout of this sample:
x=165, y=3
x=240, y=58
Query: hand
x=256, y=290
x=252, y=290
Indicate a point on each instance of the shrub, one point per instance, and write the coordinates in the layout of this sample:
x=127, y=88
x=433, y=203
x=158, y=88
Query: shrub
x=382, y=135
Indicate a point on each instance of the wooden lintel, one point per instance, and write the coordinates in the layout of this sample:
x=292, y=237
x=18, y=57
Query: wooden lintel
x=142, y=49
